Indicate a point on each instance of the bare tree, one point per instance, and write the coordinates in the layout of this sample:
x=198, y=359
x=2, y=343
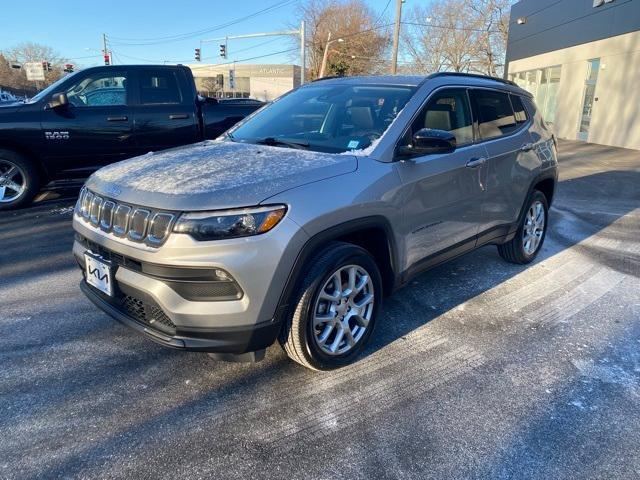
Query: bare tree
x=364, y=40
x=29, y=52
x=458, y=35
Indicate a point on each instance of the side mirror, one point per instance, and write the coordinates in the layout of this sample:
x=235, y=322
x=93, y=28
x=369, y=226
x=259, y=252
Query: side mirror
x=58, y=100
x=429, y=141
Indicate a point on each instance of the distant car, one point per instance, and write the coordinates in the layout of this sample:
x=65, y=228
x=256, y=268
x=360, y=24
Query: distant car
x=102, y=115
x=294, y=226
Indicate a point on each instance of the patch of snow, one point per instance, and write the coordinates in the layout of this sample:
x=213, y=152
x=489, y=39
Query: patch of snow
x=209, y=166
x=368, y=150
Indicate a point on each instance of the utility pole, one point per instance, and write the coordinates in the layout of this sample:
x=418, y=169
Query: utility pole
x=303, y=53
x=396, y=37
x=324, y=56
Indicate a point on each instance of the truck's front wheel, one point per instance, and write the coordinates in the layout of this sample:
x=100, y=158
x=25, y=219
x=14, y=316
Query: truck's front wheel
x=19, y=180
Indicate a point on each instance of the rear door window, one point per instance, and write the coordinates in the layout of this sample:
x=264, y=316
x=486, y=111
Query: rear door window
x=495, y=114
x=159, y=88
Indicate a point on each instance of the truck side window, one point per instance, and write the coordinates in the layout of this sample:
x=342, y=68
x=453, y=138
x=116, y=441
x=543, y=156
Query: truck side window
x=159, y=88
x=99, y=90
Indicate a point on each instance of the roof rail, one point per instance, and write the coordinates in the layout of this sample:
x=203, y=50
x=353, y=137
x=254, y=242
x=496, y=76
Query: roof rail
x=326, y=78
x=473, y=75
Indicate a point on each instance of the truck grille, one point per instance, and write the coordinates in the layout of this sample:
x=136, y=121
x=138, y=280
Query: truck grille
x=138, y=224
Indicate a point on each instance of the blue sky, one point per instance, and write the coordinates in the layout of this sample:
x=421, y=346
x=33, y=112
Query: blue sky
x=75, y=28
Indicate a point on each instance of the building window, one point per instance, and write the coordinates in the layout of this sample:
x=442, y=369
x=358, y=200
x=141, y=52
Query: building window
x=543, y=84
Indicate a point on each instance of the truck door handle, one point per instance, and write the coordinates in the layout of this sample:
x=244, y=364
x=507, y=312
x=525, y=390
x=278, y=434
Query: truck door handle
x=476, y=162
x=527, y=147
x=117, y=119
x=180, y=116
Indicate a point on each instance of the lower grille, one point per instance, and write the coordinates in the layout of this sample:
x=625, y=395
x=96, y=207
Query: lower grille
x=147, y=313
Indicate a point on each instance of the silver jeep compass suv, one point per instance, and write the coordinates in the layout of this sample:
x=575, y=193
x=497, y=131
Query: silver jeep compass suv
x=296, y=222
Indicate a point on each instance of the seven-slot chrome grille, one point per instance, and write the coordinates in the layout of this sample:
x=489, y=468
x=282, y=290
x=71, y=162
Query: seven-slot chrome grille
x=138, y=224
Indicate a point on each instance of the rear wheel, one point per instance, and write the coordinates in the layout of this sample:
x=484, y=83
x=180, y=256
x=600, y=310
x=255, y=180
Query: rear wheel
x=532, y=230
x=335, y=308
x=19, y=180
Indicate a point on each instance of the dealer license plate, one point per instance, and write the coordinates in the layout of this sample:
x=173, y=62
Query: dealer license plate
x=98, y=273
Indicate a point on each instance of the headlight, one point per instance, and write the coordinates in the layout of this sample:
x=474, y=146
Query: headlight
x=230, y=223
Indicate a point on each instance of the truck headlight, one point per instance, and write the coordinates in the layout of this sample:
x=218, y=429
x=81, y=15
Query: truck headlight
x=223, y=224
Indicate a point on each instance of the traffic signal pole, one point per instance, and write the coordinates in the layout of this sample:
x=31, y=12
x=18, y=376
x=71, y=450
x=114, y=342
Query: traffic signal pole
x=300, y=32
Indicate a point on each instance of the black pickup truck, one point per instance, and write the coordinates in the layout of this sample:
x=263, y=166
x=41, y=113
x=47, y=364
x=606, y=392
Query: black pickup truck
x=101, y=115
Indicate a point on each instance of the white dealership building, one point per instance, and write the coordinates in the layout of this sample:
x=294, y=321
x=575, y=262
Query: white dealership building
x=262, y=82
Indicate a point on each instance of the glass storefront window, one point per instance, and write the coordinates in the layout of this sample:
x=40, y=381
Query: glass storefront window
x=543, y=84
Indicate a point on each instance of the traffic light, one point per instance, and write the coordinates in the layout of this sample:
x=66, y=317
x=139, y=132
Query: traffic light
x=107, y=59
x=197, y=54
x=220, y=80
x=68, y=68
x=223, y=50
x=48, y=67
x=45, y=66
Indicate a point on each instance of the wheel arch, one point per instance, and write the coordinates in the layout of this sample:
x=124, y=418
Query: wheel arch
x=373, y=233
x=27, y=153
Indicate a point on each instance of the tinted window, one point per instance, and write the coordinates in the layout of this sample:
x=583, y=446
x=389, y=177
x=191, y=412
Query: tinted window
x=495, y=115
x=447, y=110
x=99, y=90
x=518, y=109
x=159, y=88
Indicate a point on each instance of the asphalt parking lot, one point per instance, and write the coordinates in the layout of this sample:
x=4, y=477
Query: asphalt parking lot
x=478, y=369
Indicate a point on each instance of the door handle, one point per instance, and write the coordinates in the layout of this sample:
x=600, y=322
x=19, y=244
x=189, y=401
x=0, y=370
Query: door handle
x=476, y=162
x=527, y=147
x=117, y=119
x=181, y=116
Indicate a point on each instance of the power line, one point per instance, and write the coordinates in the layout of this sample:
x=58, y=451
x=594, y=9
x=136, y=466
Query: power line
x=444, y=27
x=185, y=36
x=384, y=10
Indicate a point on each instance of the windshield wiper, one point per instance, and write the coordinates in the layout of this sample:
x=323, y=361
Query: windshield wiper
x=281, y=142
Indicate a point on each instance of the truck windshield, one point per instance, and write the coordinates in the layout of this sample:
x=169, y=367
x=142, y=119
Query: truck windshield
x=326, y=118
x=50, y=89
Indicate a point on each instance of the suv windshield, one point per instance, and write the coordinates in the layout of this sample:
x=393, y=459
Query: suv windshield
x=326, y=118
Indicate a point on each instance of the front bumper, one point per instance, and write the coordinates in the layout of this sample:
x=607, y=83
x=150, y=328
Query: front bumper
x=220, y=340
x=153, y=287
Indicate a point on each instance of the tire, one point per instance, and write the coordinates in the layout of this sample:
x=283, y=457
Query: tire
x=515, y=250
x=23, y=174
x=302, y=341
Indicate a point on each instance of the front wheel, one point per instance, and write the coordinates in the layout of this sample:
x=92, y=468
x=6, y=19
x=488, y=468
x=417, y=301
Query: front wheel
x=19, y=180
x=334, y=310
x=531, y=232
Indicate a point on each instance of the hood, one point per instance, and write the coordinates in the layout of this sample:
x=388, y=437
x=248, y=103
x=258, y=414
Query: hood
x=214, y=175
x=10, y=107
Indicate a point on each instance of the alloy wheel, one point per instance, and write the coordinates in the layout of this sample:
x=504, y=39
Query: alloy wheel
x=343, y=310
x=533, y=227
x=13, y=181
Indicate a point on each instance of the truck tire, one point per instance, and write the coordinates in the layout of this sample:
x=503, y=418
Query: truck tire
x=19, y=180
x=527, y=242
x=334, y=309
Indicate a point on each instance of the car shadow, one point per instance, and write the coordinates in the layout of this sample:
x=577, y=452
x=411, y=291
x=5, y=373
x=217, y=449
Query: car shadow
x=441, y=289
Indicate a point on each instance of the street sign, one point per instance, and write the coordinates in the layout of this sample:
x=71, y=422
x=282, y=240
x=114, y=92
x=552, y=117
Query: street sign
x=34, y=71
x=232, y=79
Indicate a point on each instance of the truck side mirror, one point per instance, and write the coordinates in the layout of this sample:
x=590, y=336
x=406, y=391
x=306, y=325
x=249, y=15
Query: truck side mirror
x=58, y=100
